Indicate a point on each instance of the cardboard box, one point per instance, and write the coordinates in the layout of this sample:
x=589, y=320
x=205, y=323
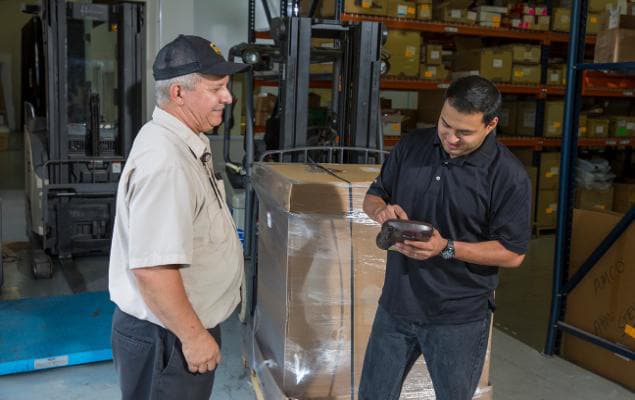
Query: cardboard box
x=543, y=22
x=592, y=199
x=508, y=118
x=424, y=10
x=556, y=74
x=528, y=74
x=525, y=54
x=369, y=7
x=549, y=171
x=433, y=72
x=622, y=126
x=598, y=6
x=582, y=122
x=596, y=127
x=526, y=122
x=455, y=11
x=602, y=303
x=402, y=8
x=433, y=54
x=623, y=197
x=404, y=49
x=554, y=115
x=560, y=19
x=615, y=45
x=392, y=124
x=547, y=208
x=492, y=63
x=310, y=255
x=593, y=23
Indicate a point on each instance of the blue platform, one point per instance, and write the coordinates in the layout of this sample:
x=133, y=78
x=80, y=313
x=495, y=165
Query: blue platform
x=49, y=332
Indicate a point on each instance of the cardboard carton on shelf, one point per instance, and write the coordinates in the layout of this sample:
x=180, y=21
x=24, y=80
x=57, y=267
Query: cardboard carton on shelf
x=554, y=115
x=525, y=74
x=404, y=49
x=622, y=126
x=402, y=8
x=526, y=118
x=597, y=127
x=433, y=72
x=525, y=53
x=614, y=45
x=549, y=171
x=492, y=63
x=594, y=199
x=424, y=10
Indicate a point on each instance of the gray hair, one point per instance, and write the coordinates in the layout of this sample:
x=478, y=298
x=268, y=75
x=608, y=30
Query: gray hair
x=162, y=87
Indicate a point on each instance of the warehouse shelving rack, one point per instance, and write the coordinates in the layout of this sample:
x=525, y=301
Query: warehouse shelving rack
x=562, y=286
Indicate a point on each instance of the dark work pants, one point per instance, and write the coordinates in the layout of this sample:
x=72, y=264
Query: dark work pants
x=454, y=355
x=150, y=364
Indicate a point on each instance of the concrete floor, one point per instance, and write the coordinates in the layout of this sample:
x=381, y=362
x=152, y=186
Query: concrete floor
x=518, y=371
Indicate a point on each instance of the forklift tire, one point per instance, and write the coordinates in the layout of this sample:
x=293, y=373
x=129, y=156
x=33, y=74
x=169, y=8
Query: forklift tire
x=42, y=267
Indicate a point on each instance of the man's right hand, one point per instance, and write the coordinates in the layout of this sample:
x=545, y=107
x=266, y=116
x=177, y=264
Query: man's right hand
x=202, y=353
x=390, y=211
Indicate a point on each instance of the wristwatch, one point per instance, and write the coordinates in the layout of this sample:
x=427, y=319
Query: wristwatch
x=448, y=252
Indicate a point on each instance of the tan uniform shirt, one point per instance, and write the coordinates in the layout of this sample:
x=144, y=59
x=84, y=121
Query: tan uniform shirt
x=169, y=211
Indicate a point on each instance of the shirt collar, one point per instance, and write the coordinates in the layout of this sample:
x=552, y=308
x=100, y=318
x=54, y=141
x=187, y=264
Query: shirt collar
x=193, y=140
x=480, y=157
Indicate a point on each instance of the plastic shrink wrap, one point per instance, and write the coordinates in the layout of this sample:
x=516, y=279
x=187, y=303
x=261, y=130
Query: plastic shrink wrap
x=320, y=275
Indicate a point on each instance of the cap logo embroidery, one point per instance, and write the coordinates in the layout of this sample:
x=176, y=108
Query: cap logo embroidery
x=216, y=49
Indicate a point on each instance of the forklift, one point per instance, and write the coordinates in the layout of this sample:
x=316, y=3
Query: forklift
x=82, y=69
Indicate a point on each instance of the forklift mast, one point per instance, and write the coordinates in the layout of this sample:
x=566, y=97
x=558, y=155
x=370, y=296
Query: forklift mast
x=93, y=56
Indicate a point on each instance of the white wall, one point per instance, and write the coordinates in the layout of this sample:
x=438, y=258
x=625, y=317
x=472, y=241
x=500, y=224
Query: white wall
x=221, y=21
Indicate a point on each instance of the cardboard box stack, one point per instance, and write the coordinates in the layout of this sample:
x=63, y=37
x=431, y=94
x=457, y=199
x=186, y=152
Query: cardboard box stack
x=525, y=63
x=528, y=16
x=315, y=243
x=432, y=66
x=614, y=42
x=404, y=50
x=603, y=303
x=327, y=7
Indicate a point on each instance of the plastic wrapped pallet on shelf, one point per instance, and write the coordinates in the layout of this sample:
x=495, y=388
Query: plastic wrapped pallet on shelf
x=320, y=275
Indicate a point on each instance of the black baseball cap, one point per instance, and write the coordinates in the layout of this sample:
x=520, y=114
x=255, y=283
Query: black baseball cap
x=189, y=54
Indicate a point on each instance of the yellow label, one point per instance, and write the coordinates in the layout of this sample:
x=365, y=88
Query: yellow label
x=549, y=174
x=396, y=127
x=428, y=74
x=557, y=125
x=629, y=330
x=410, y=52
x=412, y=10
x=215, y=48
x=518, y=73
x=365, y=4
x=424, y=8
x=594, y=19
x=549, y=211
x=496, y=19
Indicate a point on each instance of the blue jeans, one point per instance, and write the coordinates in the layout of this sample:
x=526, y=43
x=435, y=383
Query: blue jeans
x=454, y=355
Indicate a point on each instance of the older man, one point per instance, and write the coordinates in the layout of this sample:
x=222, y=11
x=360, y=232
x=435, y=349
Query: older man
x=176, y=263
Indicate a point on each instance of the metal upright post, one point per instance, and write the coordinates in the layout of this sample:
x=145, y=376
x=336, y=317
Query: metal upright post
x=567, y=163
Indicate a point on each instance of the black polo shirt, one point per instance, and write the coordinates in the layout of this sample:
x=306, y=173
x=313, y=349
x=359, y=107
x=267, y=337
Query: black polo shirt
x=483, y=196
